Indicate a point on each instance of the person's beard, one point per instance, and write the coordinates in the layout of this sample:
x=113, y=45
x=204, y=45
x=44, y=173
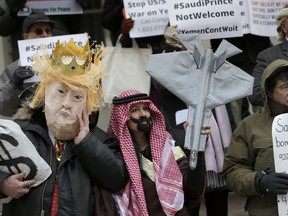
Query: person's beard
x=143, y=127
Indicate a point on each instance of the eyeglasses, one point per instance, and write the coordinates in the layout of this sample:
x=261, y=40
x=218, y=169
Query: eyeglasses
x=39, y=31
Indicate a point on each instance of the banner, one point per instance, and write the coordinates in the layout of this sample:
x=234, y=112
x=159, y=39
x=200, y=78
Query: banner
x=51, y=7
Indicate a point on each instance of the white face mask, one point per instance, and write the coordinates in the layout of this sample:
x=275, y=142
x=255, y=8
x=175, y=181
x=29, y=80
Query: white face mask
x=62, y=108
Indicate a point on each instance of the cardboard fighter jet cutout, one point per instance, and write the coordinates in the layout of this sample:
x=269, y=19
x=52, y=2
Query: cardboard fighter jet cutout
x=203, y=80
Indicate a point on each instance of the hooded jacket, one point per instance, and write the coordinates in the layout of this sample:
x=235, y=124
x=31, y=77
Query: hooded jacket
x=251, y=151
x=95, y=161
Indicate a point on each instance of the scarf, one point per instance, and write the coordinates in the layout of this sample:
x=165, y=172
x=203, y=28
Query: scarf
x=216, y=146
x=168, y=178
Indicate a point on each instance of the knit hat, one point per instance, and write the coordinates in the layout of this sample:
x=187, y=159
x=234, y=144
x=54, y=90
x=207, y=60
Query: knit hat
x=35, y=17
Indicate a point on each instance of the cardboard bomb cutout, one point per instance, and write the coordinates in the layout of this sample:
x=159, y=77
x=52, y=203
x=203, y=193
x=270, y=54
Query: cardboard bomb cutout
x=203, y=80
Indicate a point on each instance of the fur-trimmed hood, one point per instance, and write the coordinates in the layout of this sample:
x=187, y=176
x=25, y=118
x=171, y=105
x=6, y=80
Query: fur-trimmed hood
x=28, y=113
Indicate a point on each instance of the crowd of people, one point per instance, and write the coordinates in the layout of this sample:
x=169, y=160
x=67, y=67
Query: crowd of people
x=139, y=166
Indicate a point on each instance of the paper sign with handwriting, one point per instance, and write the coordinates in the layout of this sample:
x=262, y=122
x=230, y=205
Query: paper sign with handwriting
x=280, y=149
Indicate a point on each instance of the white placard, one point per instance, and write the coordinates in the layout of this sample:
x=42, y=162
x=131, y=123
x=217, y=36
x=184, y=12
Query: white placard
x=28, y=48
x=209, y=19
x=181, y=116
x=51, y=7
x=263, y=16
x=245, y=16
x=280, y=149
x=150, y=17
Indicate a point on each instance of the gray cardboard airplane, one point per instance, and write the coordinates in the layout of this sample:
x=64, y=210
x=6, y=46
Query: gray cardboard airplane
x=203, y=80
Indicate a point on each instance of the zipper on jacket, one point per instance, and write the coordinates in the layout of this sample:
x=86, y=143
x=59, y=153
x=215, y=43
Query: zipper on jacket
x=42, y=196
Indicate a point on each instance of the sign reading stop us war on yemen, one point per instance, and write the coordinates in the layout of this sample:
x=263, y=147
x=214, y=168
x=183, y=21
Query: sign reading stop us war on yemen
x=280, y=149
x=209, y=18
x=150, y=17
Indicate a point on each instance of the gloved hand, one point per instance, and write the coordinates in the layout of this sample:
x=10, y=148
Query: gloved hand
x=170, y=36
x=15, y=6
x=20, y=74
x=127, y=25
x=276, y=183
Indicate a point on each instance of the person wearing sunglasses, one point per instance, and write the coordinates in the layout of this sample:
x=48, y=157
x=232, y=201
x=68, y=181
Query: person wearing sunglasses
x=12, y=89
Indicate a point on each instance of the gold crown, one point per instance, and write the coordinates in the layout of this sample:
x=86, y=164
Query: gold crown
x=71, y=59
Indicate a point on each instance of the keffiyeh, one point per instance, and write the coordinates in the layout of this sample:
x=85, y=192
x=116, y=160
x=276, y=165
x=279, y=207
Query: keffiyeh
x=168, y=178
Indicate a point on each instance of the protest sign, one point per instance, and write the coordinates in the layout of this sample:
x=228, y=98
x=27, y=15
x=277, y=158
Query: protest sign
x=263, y=16
x=28, y=48
x=51, y=7
x=210, y=19
x=150, y=17
x=245, y=18
x=280, y=149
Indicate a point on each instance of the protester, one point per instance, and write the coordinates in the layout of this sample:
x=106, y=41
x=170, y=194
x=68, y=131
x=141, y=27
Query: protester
x=112, y=18
x=115, y=20
x=36, y=25
x=161, y=181
x=265, y=57
x=65, y=22
x=56, y=122
x=249, y=163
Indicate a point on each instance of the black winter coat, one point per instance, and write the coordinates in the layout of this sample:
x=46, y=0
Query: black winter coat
x=96, y=161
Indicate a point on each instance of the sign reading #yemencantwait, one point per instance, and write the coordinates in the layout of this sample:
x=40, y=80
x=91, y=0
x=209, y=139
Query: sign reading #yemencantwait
x=51, y=7
x=280, y=149
x=208, y=18
x=150, y=17
x=28, y=48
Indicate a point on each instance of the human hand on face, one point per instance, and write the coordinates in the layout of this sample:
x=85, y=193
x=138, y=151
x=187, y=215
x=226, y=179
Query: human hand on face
x=14, y=187
x=83, y=126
